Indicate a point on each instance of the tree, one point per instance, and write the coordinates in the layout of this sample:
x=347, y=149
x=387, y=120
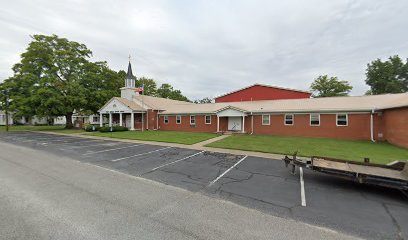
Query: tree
x=56, y=78
x=204, y=100
x=150, y=86
x=324, y=86
x=387, y=77
x=167, y=91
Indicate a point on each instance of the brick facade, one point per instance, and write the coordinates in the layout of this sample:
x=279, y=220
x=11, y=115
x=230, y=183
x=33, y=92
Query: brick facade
x=395, y=124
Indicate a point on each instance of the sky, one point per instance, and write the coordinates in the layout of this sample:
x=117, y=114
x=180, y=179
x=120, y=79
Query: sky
x=207, y=48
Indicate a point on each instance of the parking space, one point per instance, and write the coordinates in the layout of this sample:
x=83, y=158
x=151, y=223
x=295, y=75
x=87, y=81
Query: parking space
x=259, y=183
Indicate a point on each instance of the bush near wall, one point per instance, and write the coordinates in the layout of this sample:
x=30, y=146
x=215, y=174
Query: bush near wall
x=92, y=128
x=114, y=129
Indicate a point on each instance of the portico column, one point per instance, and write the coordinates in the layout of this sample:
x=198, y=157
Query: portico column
x=218, y=123
x=100, y=120
x=110, y=119
x=132, y=121
x=120, y=119
x=243, y=124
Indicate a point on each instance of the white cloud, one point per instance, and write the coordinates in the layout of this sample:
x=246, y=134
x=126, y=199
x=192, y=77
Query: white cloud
x=206, y=48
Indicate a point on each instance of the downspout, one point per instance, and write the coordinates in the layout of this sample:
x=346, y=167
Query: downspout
x=372, y=125
x=252, y=123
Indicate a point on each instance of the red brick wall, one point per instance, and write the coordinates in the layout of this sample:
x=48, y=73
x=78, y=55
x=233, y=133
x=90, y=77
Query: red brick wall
x=200, y=125
x=358, y=126
x=261, y=93
x=396, y=126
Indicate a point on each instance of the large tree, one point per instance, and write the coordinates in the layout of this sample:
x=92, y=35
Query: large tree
x=56, y=78
x=167, y=91
x=324, y=86
x=204, y=100
x=390, y=76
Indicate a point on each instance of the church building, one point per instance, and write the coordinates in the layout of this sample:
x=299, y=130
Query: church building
x=264, y=109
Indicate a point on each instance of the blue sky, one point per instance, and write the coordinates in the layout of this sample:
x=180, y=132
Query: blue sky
x=207, y=48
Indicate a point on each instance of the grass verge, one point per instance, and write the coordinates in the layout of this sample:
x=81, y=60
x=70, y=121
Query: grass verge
x=380, y=152
x=59, y=129
x=187, y=138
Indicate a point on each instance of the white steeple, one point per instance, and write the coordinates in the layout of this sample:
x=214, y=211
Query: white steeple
x=129, y=90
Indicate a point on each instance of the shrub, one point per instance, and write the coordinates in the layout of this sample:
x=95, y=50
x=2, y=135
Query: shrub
x=91, y=128
x=114, y=129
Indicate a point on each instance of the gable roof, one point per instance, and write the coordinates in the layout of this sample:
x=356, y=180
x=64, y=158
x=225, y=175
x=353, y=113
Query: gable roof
x=263, y=85
x=157, y=103
x=130, y=104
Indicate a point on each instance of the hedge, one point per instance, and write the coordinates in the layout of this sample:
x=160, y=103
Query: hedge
x=92, y=128
x=114, y=129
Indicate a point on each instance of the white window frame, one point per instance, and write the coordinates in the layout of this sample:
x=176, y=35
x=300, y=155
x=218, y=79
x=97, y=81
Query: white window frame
x=293, y=119
x=269, y=119
x=205, y=119
x=310, y=119
x=177, y=119
x=166, y=119
x=191, y=118
x=337, y=120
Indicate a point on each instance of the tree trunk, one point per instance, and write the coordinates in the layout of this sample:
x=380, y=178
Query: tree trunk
x=68, y=124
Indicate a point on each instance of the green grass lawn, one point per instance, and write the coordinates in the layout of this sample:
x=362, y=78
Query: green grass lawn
x=60, y=129
x=348, y=150
x=160, y=136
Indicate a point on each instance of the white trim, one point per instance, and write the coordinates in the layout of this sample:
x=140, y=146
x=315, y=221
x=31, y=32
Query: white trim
x=269, y=119
x=337, y=117
x=310, y=120
x=293, y=119
x=205, y=119
x=165, y=119
x=176, y=119
x=194, y=120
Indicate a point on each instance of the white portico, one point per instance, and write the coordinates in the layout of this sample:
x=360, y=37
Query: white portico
x=236, y=118
x=123, y=112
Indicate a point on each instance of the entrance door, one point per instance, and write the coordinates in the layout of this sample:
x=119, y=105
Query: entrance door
x=234, y=123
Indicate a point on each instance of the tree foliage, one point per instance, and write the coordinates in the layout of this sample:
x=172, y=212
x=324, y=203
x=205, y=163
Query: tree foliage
x=56, y=78
x=324, y=86
x=390, y=76
x=204, y=100
x=167, y=91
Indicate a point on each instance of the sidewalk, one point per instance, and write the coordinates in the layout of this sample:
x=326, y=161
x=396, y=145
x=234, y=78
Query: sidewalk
x=197, y=146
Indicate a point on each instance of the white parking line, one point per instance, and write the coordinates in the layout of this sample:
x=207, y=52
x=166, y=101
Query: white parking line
x=140, y=154
x=229, y=169
x=302, y=187
x=170, y=163
x=90, y=145
x=112, y=149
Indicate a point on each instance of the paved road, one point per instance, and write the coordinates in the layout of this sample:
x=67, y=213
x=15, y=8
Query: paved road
x=44, y=196
x=253, y=182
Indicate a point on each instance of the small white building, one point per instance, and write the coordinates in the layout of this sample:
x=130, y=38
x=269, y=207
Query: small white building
x=3, y=118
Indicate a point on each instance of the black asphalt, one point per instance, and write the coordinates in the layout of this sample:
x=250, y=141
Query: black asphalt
x=263, y=184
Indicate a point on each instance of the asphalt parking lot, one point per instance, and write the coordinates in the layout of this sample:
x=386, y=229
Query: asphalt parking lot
x=259, y=183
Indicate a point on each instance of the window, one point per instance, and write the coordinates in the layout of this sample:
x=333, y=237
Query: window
x=314, y=119
x=192, y=120
x=178, y=119
x=207, y=119
x=289, y=119
x=166, y=119
x=95, y=119
x=342, y=119
x=266, y=119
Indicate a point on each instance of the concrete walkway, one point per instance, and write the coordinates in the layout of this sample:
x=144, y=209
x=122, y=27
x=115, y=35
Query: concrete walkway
x=198, y=146
x=211, y=140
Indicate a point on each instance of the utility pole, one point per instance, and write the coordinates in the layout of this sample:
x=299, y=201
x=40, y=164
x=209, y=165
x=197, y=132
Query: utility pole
x=7, y=115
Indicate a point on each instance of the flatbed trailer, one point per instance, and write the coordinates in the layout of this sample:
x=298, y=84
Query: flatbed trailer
x=393, y=175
